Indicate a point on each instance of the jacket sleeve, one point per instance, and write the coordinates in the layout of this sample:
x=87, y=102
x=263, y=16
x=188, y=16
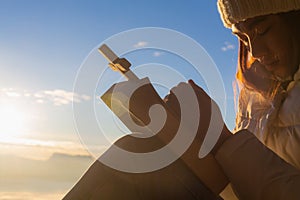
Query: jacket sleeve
x=285, y=142
x=275, y=123
x=283, y=135
x=255, y=171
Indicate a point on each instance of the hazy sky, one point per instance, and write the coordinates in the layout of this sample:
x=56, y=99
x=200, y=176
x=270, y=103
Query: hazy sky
x=44, y=43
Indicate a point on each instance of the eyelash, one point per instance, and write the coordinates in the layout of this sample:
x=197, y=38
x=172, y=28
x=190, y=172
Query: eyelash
x=259, y=33
x=263, y=32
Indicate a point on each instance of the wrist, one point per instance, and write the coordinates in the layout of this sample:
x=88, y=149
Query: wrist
x=226, y=134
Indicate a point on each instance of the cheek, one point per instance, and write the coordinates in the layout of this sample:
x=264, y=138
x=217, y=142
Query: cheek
x=282, y=47
x=288, y=54
x=287, y=61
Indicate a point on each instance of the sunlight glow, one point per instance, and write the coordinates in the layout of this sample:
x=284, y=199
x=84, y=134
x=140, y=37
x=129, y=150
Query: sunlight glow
x=12, y=121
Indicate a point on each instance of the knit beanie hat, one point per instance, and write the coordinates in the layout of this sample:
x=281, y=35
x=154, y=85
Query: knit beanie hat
x=234, y=11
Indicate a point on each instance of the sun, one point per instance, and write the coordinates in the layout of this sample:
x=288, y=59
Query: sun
x=12, y=121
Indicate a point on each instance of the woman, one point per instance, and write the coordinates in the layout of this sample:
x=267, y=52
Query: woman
x=268, y=109
x=268, y=73
x=268, y=102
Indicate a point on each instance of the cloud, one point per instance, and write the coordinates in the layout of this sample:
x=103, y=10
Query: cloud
x=158, y=53
x=27, y=95
x=13, y=94
x=39, y=149
x=41, y=101
x=140, y=44
x=38, y=95
x=57, y=96
x=43, y=149
x=62, y=97
x=10, y=92
x=227, y=46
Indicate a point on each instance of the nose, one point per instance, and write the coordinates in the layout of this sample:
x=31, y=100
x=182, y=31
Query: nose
x=257, y=48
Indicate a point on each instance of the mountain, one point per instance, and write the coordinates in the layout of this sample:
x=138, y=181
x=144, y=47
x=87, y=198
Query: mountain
x=60, y=171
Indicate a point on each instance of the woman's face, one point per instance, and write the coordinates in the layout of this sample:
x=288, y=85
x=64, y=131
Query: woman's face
x=270, y=41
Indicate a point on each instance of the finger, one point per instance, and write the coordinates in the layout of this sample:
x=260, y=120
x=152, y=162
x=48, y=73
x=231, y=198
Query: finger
x=191, y=82
x=195, y=86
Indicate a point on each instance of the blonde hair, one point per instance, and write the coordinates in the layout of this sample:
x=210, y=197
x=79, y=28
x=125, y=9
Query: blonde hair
x=253, y=75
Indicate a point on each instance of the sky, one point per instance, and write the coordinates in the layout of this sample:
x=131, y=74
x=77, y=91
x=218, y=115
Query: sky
x=43, y=47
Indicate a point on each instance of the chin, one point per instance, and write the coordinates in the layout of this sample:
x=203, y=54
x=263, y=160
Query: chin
x=283, y=75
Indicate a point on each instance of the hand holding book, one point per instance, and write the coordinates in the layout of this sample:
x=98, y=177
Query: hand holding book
x=132, y=102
